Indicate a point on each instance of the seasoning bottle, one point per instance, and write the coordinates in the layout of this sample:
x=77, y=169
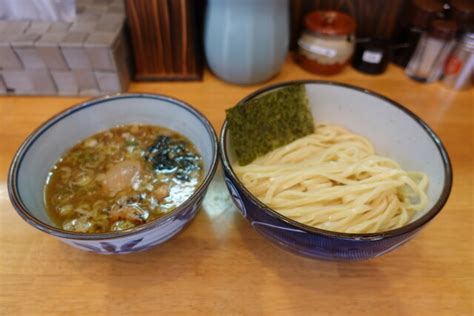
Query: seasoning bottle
x=327, y=43
x=371, y=56
x=419, y=15
x=426, y=64
x=460, y=65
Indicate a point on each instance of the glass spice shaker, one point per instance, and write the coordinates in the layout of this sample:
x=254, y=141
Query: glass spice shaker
x=426, y=64
x=460, y=65
x=327, y=43
x=419, y=14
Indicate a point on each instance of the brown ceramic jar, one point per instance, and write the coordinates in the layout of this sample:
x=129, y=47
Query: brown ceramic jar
x=327, y=43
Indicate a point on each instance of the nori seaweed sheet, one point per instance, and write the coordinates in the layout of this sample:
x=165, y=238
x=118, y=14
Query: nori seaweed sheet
x=270, y=121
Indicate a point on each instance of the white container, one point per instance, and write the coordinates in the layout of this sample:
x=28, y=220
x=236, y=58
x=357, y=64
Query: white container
x=426, y=64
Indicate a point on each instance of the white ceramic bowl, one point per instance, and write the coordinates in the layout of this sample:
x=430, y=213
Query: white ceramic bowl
x=395, y=132
x=49, y=142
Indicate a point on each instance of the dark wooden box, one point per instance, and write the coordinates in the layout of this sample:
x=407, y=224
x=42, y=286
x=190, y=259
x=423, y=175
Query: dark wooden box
x=166, y=39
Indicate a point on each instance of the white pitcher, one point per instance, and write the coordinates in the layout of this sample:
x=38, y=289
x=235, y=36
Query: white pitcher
x=246, y=41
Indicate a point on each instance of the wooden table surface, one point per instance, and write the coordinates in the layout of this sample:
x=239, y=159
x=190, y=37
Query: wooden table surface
x=219, y=264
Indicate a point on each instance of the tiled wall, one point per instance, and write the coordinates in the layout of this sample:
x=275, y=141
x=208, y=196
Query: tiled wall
x=86, y=57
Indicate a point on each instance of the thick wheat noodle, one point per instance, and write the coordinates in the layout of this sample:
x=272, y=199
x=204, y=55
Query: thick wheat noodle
x=333, y=180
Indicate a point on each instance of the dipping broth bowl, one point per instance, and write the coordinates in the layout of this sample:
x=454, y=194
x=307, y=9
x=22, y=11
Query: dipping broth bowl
x=394, y=131
x=41, y=150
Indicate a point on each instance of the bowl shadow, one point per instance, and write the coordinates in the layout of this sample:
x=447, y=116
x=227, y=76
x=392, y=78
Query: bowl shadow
x=356, y=280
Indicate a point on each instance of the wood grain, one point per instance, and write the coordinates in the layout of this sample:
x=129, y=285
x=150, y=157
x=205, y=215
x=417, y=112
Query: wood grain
x=219, y=265
x=164, y=38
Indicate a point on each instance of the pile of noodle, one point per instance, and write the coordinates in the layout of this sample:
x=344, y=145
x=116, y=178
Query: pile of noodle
x=333, y=180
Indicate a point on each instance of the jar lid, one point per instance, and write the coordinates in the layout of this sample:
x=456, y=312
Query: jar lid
x=422, y=12
x=330, y=23
x=443, y=29
x=462, y=11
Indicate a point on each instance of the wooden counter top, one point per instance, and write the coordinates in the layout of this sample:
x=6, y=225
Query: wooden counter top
x=219, y=264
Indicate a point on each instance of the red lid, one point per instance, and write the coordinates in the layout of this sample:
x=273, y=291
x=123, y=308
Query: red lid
x=330, y=23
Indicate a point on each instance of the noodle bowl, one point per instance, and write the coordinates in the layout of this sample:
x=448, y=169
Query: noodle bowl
x=296, y=204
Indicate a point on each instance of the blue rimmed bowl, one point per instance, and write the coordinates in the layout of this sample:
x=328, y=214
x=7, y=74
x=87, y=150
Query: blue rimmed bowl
x=47, y=144
x=395, y=132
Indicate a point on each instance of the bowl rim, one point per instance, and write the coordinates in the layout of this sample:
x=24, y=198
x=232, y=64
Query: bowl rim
x=21, y=152
x=413, y=226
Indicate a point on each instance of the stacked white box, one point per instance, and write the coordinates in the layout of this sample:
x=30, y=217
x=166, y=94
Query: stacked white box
x=50, y=51
x=3, y=89
x=87, y=57
x=24, y=47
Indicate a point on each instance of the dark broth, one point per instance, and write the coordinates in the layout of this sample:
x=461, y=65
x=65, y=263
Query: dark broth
x=120, y=178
